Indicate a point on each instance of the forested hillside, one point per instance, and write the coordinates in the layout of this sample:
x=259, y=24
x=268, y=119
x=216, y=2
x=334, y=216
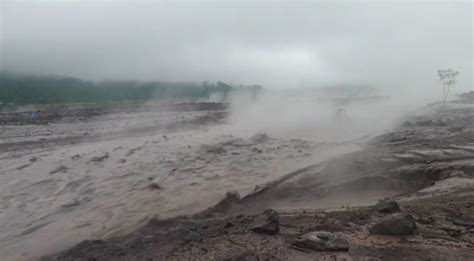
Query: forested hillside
x=21, y=90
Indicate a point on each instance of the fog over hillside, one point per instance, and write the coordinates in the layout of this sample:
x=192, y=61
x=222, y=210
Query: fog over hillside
x=397, y=46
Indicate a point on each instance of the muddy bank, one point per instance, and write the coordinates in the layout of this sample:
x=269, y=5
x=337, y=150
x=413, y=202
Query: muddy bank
x=426, y=165
x=439, y=238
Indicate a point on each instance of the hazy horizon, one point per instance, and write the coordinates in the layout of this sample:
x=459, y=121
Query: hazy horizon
x=393, y=46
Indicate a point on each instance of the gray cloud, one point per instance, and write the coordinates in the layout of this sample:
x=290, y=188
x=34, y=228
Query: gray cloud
x=392, y=45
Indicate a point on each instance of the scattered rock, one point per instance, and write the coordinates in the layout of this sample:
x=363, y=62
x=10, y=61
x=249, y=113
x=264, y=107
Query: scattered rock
x=321, y=241
x=122, y=160
x=395, y=224
x=386, y=206
x=257, y=150
x=75, y=157
x=267, y=222
x=61, y=168
x=33, y=159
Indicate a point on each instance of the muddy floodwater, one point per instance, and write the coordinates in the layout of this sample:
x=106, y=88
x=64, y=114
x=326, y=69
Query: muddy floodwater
x=94, y=175
x=75, y=175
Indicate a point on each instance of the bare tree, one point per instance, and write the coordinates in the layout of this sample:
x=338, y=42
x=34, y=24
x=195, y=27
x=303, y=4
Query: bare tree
x=448, y=77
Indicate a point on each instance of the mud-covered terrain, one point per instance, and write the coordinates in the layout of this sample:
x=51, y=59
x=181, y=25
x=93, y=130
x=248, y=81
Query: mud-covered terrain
x=327, y=211
x=80, y=176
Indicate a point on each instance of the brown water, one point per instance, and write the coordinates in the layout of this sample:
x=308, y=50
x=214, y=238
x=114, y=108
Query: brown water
x=54, y=196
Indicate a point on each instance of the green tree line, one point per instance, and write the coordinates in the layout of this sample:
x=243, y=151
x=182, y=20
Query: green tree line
x=27, y=89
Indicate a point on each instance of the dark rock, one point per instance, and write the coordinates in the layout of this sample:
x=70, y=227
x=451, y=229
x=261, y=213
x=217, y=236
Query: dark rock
x=395, y=224
x=386, y=206
x=267, y=223
x=322, y=241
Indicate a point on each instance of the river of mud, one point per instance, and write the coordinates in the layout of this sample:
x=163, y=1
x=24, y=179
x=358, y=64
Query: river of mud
x=64, y=180
x=109, y=175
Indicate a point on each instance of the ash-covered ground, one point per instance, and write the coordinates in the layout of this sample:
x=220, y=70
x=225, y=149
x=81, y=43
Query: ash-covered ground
x=149, y=184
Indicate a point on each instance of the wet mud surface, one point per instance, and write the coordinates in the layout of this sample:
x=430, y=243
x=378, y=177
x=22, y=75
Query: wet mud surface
x=185, y=185
x=426, y=166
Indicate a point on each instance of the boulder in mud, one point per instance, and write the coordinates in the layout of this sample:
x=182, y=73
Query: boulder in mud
x=267, y=222
x=321, y=241
x=386, y=206
x=396, y=225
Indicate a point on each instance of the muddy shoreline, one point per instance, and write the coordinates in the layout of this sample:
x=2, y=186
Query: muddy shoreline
x=426, y=165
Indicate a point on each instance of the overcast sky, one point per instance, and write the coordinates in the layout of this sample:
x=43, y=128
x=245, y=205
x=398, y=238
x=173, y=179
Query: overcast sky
x=276, y=44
